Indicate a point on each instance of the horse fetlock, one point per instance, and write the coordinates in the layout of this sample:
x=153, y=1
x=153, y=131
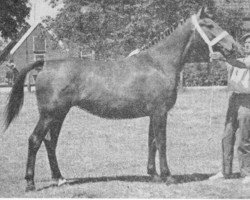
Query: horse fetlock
x=151, y=170
x=170, y=180
x=165, y=173
x=156, y=178
x=30, y=186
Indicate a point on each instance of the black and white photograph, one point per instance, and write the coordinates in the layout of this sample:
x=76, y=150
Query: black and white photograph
x=125, y=99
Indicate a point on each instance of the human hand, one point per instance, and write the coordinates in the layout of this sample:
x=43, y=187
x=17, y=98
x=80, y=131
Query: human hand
x=216, y=56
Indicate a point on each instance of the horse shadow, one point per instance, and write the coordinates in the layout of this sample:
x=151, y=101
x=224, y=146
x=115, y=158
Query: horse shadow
x=179, y=179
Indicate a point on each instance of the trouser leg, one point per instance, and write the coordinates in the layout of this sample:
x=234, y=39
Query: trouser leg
x=228, y=139
x=228, y=142
x=244, y=141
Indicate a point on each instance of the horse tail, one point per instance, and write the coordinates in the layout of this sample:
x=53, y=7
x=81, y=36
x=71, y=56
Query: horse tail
x=15, y=99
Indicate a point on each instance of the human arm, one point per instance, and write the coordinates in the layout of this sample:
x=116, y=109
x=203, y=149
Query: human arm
x=232, y=61
x=237, y=63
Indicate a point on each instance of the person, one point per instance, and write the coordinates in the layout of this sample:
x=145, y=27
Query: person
x=14, y=71
x=238, y=115
x=9, y=75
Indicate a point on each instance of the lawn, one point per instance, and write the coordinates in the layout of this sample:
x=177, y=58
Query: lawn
x=106, y=158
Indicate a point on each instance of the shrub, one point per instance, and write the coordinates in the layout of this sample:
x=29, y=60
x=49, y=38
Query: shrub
x=204, y=74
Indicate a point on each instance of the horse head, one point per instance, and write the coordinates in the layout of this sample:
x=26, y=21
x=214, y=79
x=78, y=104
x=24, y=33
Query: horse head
x=215, y=37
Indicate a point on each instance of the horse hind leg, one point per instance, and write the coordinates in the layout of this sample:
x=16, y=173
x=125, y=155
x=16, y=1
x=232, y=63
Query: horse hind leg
x=50, y=142
x=35, y=141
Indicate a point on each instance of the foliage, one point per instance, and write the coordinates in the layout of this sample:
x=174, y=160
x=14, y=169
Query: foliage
x=116, y=27
x=12, y=17
x=230, y=19
x=204, y=74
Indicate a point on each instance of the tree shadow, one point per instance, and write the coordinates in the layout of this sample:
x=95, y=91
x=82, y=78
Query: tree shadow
x=179, y=179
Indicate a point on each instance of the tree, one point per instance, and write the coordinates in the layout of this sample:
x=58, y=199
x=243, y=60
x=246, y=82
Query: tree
x=232, y=20
x=116, y=27
x=12, y=16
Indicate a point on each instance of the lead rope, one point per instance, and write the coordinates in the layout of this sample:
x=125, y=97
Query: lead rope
x=211, y=95
x=211, y=106
x=210, y=47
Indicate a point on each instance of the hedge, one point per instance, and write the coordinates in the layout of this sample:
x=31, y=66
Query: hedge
x=204, y=74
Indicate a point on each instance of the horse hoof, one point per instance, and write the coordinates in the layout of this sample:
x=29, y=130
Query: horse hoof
x=30, y=188
x=156, y=178
x=217, y=176
x=170, y=180
x=61, y=181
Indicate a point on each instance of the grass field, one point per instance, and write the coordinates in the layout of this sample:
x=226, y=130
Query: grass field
x=106, y=158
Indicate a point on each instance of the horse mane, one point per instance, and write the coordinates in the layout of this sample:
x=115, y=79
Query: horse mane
x=162, y=35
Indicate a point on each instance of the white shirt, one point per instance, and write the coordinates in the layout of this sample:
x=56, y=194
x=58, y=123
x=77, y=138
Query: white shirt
x=239, y=77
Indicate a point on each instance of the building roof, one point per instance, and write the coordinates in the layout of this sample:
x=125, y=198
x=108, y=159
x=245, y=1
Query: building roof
x=26, y=35
x=6, y=51
x=23, y=38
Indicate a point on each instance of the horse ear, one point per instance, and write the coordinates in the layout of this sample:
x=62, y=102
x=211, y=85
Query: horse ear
x=203, y=13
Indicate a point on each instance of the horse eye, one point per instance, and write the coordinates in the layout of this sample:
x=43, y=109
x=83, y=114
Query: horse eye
x=210, y=26
x=206, y=24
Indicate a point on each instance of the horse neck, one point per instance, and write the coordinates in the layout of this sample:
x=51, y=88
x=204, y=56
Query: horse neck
x=171, y=52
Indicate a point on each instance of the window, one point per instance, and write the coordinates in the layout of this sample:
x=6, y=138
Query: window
x=89, y=55
x=39, y=57
x=39, y=44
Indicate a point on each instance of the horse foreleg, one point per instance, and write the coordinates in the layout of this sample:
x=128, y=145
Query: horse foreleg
x=159, y=127
x=50, y=144
x=151, y=152
x=35, y=141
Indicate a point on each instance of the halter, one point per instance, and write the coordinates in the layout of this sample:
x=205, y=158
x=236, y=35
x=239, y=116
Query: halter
x=204, y=36
x=210, y=47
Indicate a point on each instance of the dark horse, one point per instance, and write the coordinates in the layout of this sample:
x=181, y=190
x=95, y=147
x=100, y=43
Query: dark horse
x=142, y=85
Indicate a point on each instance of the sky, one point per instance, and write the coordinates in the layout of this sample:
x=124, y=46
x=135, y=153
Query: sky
x=40, y=9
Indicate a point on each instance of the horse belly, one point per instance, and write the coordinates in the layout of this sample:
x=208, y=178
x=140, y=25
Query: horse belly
x=115, y=109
